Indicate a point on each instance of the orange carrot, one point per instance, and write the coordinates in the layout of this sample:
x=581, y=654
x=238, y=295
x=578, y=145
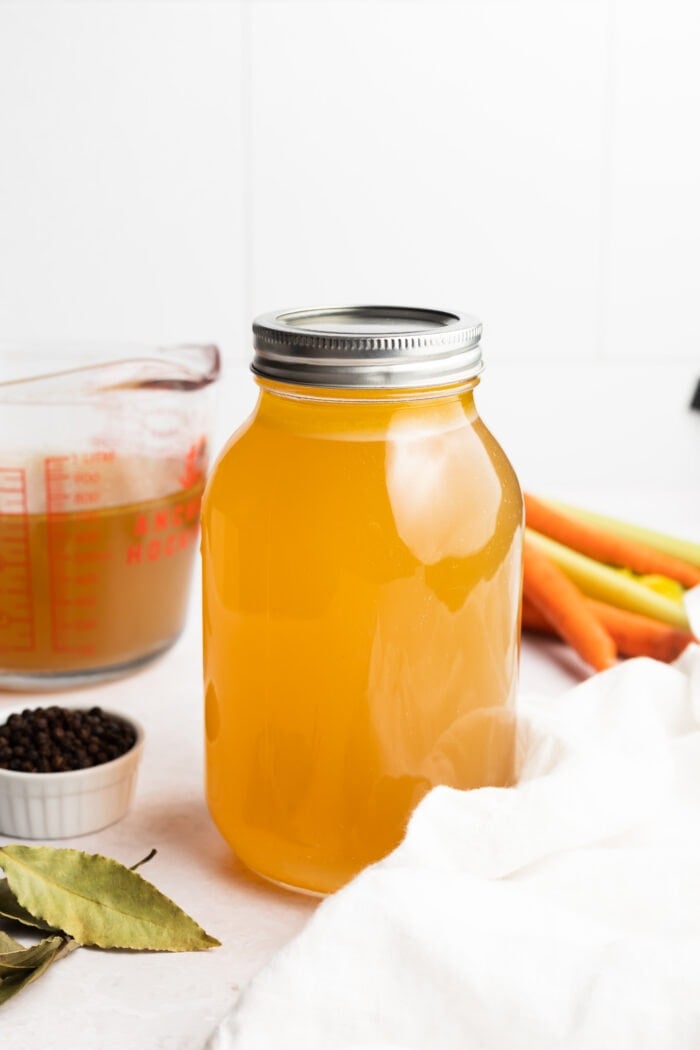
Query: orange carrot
x=560, y=602
x=605, y=546
x=533, y=620
x=637, y=635
x=634, y=635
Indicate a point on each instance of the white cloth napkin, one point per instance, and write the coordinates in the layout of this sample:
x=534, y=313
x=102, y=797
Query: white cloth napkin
x=564, y=912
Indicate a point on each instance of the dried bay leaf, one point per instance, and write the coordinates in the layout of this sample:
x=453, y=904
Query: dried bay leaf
x=98, y=901
x=10, y=908
x=9, y=944
x=16, y=962
x=58, y=947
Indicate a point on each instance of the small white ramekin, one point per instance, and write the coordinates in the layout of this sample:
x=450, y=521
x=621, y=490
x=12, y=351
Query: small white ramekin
x=76, y=802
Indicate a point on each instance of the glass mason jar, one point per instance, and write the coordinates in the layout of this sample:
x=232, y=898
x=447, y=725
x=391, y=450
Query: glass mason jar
x=361, y=543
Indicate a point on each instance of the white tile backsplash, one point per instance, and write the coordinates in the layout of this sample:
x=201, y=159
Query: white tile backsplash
x=120, y=171
x=442, y=154
x=611, y=431
x=169, y=168
x=654, y=262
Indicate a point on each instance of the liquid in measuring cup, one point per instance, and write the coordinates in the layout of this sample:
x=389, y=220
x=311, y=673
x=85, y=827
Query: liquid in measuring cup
x=94, y=576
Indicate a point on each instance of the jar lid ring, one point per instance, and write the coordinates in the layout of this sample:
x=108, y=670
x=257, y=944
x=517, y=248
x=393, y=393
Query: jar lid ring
x=379, y=347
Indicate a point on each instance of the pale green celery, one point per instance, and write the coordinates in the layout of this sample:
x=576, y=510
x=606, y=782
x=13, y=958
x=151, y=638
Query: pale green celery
x=608, y=585
x=678, y=548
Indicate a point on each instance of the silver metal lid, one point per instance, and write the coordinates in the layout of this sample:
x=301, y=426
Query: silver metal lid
x=380, y=347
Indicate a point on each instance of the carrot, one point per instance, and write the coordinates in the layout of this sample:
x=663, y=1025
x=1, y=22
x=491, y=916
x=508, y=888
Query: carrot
x=609, y=584
x=606, y=546
x=634, y=635
x=560, y=601
x=637, y=635
x=684, y=549
x=533, y=620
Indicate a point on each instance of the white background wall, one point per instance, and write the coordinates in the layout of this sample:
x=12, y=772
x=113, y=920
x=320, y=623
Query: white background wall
x=168, y=169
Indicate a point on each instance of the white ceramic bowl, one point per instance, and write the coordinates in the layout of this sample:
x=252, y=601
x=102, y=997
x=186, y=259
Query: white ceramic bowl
x=76, y=802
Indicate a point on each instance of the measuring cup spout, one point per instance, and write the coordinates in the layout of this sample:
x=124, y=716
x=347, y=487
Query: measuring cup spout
x=50, y=372
x=181, y=368
x=188, y=367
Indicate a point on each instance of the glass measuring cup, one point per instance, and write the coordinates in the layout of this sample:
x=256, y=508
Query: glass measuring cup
x=103, y=456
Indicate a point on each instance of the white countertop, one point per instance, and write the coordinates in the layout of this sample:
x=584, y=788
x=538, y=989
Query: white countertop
x=148, y=1001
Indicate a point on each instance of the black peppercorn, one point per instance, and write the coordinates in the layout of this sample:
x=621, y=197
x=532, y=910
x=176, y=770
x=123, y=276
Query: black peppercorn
x=57, y=739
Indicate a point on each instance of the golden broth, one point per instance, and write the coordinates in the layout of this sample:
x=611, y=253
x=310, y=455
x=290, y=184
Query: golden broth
x=361, y=567
x=95, y=588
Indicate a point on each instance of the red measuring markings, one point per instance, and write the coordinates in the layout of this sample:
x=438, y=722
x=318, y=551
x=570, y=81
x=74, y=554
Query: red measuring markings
x=17, y=631
x=75, y=548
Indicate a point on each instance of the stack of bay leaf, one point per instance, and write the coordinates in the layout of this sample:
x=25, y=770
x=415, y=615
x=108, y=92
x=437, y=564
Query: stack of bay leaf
x=72, y=899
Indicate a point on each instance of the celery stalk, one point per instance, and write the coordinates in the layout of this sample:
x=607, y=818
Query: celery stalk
x=608, y=585
x=664, y=585
x=678, y=548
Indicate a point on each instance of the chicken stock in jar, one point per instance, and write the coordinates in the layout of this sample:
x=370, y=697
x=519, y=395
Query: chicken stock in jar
x=361, y=543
